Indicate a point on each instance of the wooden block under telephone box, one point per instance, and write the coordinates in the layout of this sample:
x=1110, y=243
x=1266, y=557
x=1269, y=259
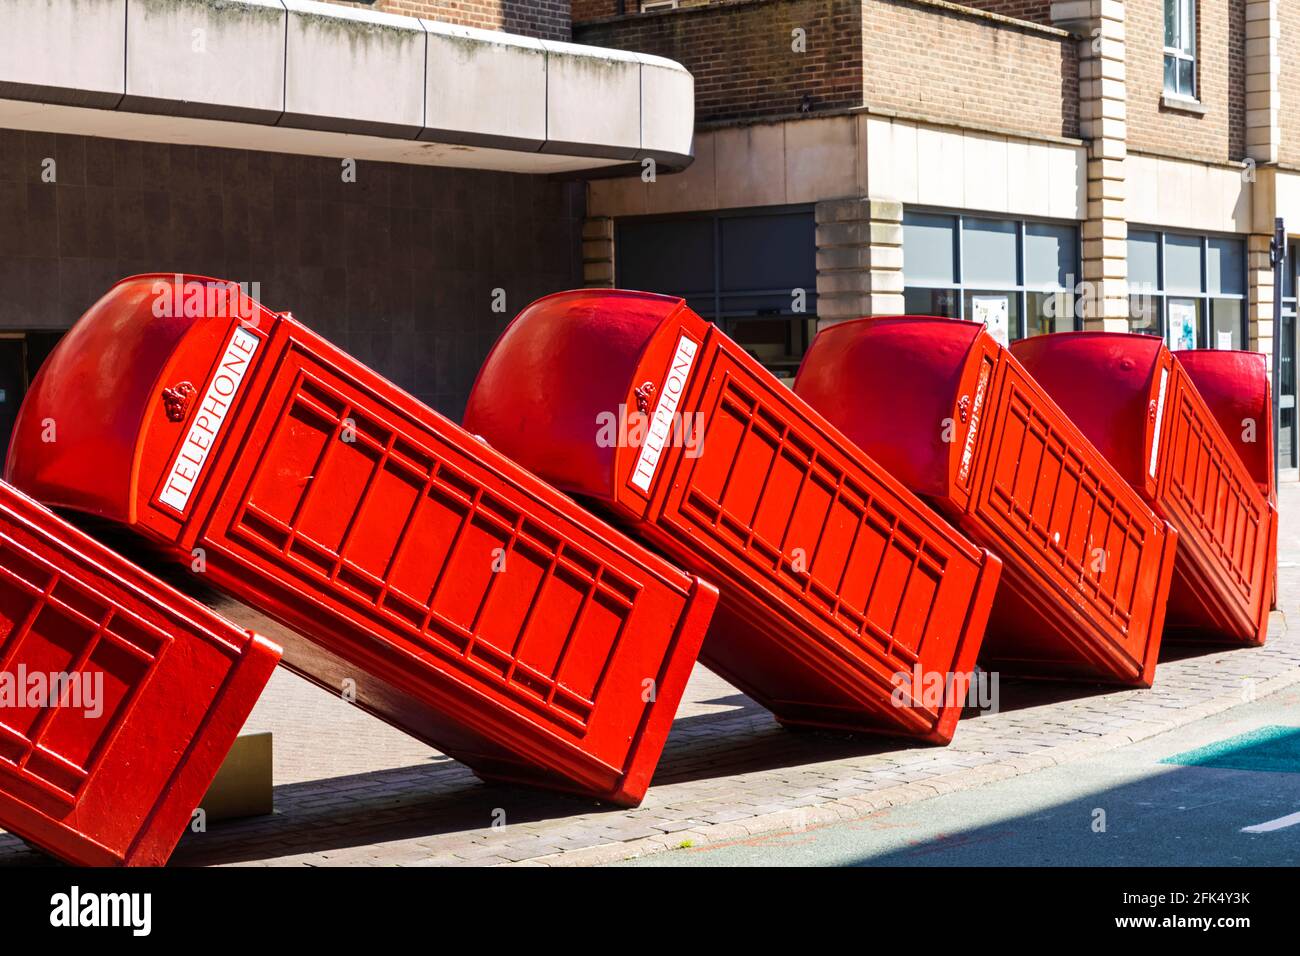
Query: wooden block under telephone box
x=242, y=787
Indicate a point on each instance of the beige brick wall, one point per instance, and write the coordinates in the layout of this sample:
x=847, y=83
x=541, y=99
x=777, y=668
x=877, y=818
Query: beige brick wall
x=741, y=53
x=548, y=19
x=1289, y=81
x=922, y=57
x=935, y=60
x=1219, y=134
x=584, y=10
x=1036, y=11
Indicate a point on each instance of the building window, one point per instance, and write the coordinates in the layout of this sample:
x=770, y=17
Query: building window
x=1180, y=48
x=648, y=5
x=1015, y=276
x=754, y=272
x=1189, y=289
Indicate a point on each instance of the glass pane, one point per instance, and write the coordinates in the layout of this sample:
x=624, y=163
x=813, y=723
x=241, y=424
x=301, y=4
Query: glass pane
x=1049, y=312
x=1171, y=74
x=1183, y=264
x=988, y=252
x=1293, y=260
x=1143, y=259
x=674, y=257
x=1225, y=266
x=1000, y=311
x=1186, y=77
x=778, y=344
x=928, y=244
x=773, y=253
x=1225, y=324
x=1187, y=26
x=1051, y=256
x=1286, y=449
x=1171, y=22
x=1144, y=314
x=940, y=302
x=1184, y=321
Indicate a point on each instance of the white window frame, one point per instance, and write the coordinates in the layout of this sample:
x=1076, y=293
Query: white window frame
x=1185, y=30
x=650, y=5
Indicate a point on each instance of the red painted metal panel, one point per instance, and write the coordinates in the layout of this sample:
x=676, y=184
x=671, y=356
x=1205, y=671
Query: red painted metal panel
x=835, y=580
x=1136, y=401
x=1086, y=565
x=1236, y=387
x=119, y=696
x=472, y=605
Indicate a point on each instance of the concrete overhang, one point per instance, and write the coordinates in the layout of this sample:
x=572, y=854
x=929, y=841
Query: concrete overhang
x=297, y=76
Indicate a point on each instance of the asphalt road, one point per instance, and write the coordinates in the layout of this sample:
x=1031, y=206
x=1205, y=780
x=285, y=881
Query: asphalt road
x=1155, y=814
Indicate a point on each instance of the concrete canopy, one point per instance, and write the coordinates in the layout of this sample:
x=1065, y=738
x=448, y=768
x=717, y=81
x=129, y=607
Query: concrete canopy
x=298, y=76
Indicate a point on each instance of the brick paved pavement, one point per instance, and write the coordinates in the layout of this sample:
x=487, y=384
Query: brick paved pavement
x=352, y=791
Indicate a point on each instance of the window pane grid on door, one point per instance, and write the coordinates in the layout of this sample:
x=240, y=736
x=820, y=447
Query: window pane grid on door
x=1288, y=452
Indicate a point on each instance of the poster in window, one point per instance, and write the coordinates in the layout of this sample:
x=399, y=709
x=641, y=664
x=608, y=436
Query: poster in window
x=993, y=311
x=1182, y=325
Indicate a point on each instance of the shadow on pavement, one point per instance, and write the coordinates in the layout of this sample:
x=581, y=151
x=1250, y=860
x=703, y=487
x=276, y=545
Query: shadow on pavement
x=440, y=797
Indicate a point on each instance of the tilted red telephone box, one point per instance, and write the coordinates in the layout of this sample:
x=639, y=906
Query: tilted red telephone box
x=839, y=587
x=456, y=595
x=1086, y=565
x=119, y=696
x=1236, y=387
x=1140, y=408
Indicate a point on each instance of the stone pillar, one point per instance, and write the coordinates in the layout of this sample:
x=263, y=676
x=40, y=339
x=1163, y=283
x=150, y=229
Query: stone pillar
x=1103, y=124
x=1263, y=69
x=1259, y=274
x=859, y=259
x=1260, y=291
x=1263, y=142
x=598, y=252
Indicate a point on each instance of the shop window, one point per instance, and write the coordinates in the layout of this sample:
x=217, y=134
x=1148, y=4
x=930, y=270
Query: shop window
x=1189, y=289
x=1015, y=276
x=754, y=272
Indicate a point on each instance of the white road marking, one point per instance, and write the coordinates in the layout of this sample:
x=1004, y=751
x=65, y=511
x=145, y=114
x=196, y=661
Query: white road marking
x=1281, y=823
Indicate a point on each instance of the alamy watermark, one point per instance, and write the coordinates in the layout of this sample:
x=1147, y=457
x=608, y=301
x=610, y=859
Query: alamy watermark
x=179, y=297
x=937, y=689
x=82, y=691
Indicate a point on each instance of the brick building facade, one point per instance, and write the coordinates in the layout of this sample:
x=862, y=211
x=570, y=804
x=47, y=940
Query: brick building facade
x=1109, y=164
x=1052, y=164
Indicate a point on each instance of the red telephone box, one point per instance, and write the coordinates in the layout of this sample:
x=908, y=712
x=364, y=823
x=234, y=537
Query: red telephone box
x=1139, y=406
x=119, y=696
x=1236, y=387
x=452, y=592
x=1086, y=564
x=839, y=587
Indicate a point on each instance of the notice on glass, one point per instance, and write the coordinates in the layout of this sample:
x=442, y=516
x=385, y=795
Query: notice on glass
x=1182, y=325
x=1224, y=340
x=994, y=311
